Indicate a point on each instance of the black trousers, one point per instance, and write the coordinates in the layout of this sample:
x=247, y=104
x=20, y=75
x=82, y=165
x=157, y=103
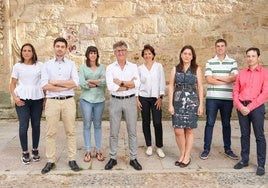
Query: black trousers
x=148, y=106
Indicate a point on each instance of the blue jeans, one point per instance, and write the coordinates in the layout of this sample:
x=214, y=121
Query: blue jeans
x=148, y=105
x=92, y=111
x=31, y=110
x=256, y=117
x=225, y=107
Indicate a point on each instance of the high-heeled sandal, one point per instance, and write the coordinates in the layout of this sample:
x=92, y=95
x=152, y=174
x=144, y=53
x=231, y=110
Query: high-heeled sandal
x=99, y=156
x=87, y=157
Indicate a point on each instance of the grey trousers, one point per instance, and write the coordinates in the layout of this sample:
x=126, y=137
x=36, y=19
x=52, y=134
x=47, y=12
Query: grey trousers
x=128, y=108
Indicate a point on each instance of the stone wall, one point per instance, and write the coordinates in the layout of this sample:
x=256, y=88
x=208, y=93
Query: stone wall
x=165, y=24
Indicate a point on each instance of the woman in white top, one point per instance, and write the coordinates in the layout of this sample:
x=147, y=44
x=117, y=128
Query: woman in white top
x=149, y=99
x=28, y=95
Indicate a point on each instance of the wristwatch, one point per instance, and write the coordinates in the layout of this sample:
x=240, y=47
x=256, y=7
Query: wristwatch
x=161, y=97
x=122, y=84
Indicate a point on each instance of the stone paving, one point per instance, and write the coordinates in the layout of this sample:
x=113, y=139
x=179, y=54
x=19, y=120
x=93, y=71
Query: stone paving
x=217, y=171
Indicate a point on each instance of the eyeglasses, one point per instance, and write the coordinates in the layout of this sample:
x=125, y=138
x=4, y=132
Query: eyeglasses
x=120, y=51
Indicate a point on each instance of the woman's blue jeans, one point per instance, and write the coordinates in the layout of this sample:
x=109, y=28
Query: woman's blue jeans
x=32, y=110
x=92, y=112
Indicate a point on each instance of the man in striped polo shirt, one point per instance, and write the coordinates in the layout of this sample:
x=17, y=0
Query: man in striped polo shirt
x=220, y=74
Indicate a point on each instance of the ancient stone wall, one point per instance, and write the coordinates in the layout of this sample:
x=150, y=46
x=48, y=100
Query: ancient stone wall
x=167, y=25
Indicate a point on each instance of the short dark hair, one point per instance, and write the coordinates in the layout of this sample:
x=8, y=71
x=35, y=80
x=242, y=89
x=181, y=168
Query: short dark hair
x=92, y=49
x=148, y=47
x=60, y=39
x=254, y=49
x=119, y=43
x=221, y=40
x=34, y=58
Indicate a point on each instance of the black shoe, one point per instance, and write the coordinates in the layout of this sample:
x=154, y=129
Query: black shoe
x=260, y=171
x=240, y=165
x=74, y=166
x=35, y=154
x=183, y=165
x=135, y=164
x=111, y=163
x=25, y=158
x=49, y=166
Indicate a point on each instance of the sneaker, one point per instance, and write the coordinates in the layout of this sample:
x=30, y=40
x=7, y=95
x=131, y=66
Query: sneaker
x=204, y=155
x=160, y=152
x=25, y=158
x=231, y=155
x=149, y=150
x=35, y=155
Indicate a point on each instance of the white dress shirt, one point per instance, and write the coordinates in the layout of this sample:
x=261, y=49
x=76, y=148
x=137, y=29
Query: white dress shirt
x=152, y=81
x=59, y=70
x=129, y=72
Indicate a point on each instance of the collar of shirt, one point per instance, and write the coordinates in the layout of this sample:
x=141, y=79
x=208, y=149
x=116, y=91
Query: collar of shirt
x=258, y=68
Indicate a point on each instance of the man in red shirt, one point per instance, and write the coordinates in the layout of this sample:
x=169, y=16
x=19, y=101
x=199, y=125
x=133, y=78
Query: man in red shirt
x=249, y=95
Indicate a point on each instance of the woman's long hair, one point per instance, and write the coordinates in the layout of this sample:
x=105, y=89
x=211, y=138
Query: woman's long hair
x=193, y=65
x=92, y=49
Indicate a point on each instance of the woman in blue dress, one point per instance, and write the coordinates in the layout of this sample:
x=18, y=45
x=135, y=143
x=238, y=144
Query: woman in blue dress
x=185, y=102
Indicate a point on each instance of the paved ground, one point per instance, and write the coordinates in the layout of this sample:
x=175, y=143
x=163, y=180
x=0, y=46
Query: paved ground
x=217, y=171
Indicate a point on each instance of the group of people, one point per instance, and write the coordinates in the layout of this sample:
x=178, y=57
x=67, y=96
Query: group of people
x=50, y=86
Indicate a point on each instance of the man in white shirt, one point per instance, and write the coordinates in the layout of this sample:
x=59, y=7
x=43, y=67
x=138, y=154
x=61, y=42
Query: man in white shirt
x=59, y=77
x=122, y=81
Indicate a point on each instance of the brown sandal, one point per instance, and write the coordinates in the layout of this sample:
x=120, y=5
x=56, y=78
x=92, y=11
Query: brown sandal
x=87, y=157
x=99, y=156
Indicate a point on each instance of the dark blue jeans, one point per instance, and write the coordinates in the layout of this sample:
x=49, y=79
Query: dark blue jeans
x=256, y=117
x=225, y=107
x=32, y=110
x=148, y=107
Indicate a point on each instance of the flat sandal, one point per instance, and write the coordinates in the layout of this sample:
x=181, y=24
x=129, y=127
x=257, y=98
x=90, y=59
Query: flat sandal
x=87, y=157
x=99, y=156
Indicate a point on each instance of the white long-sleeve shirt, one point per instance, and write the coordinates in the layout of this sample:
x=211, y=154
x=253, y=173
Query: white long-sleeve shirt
x=152, y=81
x=129, y=72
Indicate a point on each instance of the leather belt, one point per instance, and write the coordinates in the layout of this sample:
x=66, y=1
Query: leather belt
x=61, y=98
x=123, y=97
x=246, y=102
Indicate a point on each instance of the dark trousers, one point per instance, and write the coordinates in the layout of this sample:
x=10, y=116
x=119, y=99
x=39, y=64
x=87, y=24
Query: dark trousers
x=256, y=117
x=148, y=106
x=225, y=107
x=32, y=110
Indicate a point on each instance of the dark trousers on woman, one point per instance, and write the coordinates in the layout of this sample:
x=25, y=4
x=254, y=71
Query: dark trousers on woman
x=32, y=110
x=148, y=106
x=256, y=117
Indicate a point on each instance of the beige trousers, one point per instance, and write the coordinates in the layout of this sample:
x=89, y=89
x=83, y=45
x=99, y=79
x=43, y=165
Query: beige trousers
x=54, y=110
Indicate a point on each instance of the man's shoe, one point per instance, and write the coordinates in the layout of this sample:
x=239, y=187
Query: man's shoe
x=25, y=158
x=49, y=166
x=240, y=165
x=74, y=166
x=111, y=163
x=135, y=164
x=260, y=171
x=35, y=155
x=204, y=155
x=231, y=154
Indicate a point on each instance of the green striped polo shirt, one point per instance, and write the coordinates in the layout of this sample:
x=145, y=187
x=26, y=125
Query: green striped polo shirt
x=215, y=67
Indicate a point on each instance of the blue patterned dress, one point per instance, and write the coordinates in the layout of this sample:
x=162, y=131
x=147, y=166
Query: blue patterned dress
x=185, y=100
